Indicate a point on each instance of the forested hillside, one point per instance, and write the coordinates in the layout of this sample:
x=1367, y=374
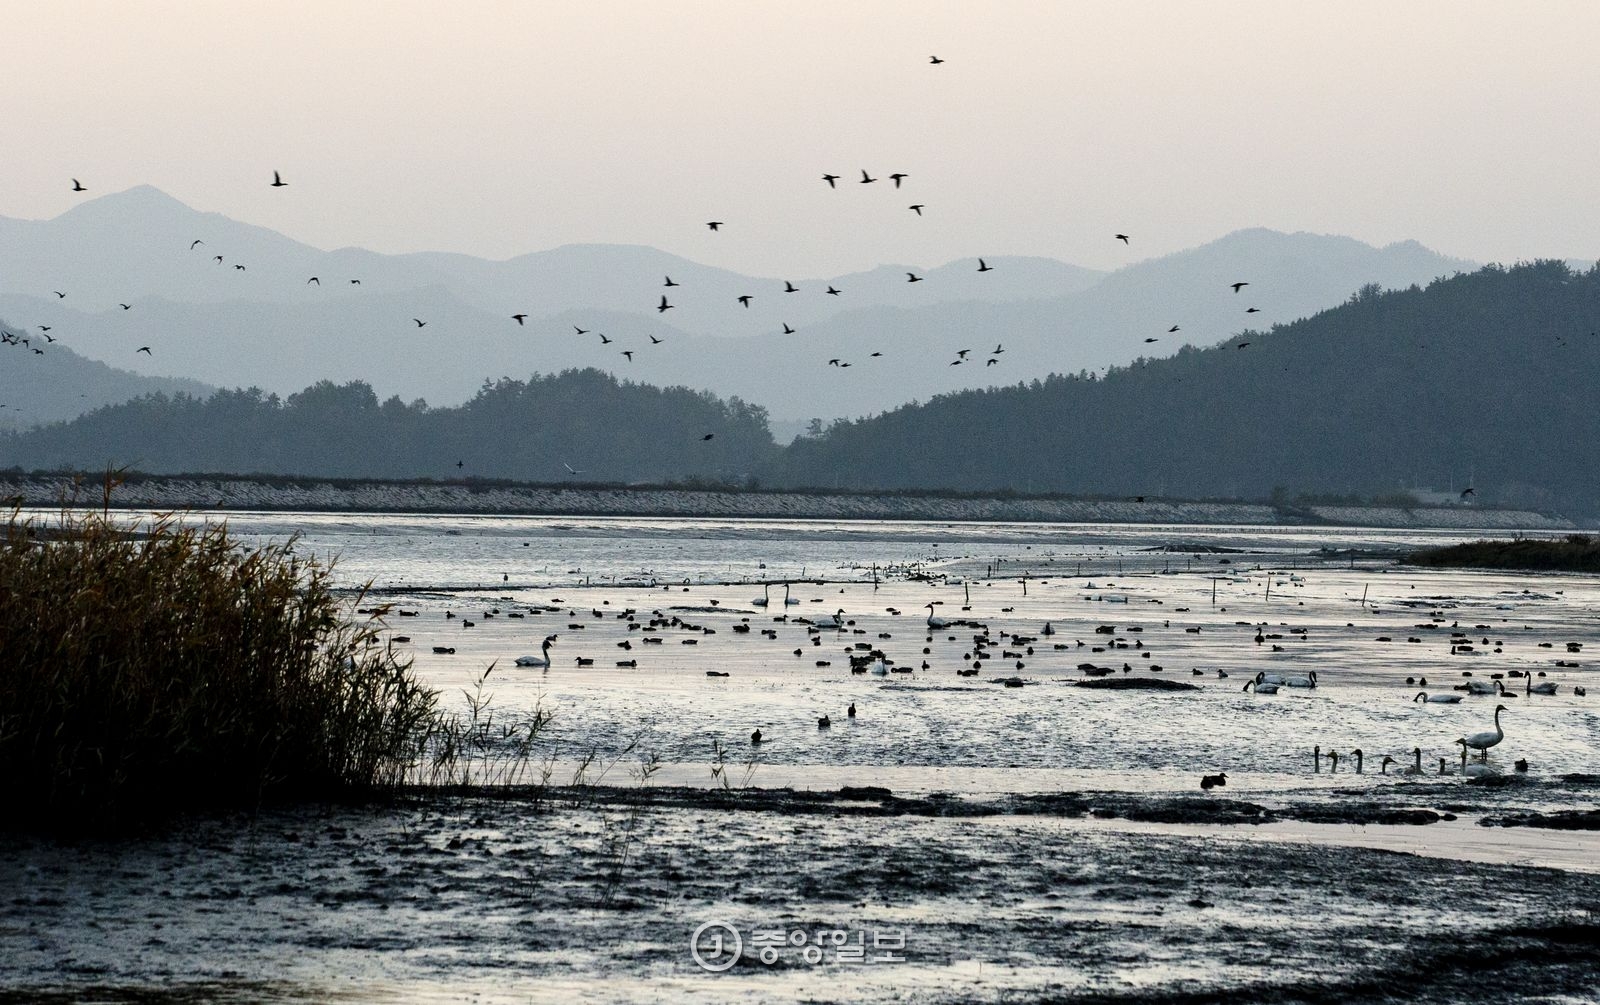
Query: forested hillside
x=600, y=428
x=1485, y=379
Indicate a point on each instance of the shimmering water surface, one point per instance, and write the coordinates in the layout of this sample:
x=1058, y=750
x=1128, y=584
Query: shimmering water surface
x=1170, y=612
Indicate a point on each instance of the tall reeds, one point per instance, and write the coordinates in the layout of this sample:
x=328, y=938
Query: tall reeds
x=167, y=668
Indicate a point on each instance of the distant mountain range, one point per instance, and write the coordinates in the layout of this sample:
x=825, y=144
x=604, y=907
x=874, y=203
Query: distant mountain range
x=267, y=325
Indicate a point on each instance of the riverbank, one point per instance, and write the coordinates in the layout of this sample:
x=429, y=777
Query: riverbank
x=334, y=495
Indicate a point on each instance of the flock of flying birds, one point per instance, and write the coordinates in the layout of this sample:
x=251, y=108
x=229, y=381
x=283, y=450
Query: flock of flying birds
x=664, y=304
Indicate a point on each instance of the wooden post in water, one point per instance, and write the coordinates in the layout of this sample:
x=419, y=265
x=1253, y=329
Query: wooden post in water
x=1364, y=594
x=1213, y=591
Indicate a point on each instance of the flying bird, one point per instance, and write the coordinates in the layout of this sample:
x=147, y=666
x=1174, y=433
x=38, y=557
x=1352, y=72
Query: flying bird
x=1252, y=310
x=355, y=282
x=519, y=319
x=603, y=339
x=963, y=353
x=77, y=186
x=866, y=179
x=787, y=330
x=669, y=282
x=277, y=182
x=570, y=469
x=1241, y=345
x=663, y=306
x=1123, y=238
x=745, y=300
x=195, y=243
x=984, y=266
x=912, y=277
x=420, y=323
x=217, y=259
x=59, y=294
x=585, y=331
x=707, y=437
x=239, y=267
x=991, y=362
x=833, y=362
x=655, y=341
x=628, y=353
x=789, y=287
x=1238, y=286
x=873, y=354
x=44, y=328
x=898, y=177
x=126, y=307
x=830, y=179
x=1152, y=340
x=832, y=292
x=313, y=279
x=916, y=208
x=934, y=60
x=142, y=349
x=1172, y=329
x=714, y=224
x=998, y=349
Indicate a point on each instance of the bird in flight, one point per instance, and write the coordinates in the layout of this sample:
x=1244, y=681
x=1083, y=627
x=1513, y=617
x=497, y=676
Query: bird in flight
x=126, y=307
x=142, y=349
x=195, y=243
x=585, y=331
x=49, y=338
x=898, y=177
x=603, y=339
x=277, y=182
x=1241, y=345
x=77, y=186
x=1123, y=238
x=239, y=267
x=313, y=279
x=963, y=353
x=355, y=282
x=519, y=319
x=1152, y=340
x=916, y=208
x=912, y=277
x=830, y=179
x=656, y=341
x=745, y=300
x=707, y=437
x=59, y=294
x=1253, y=310
x=934, y=60
x=628, y=353
x=991, y=362
x=570, y=469
x=217, y=259
x=1238, y=286
x=955, y=362
x=866, y=179
x=44, y=328
x=833, y=362
x=984, y=266
x=832, y=292
x=1172, y=329
x=662, y=307
x=420, y=323
x=714, y=224
x=874, y=354
x=789, y=287
x=787, y=330
x=998, y=349
x=669, y=282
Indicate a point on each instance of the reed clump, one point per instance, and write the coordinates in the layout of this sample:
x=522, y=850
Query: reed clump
x=169, y=669
x=1573, y=553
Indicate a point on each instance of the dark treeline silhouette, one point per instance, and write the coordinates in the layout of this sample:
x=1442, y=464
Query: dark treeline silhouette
x=1485, y=379
x=605, y=429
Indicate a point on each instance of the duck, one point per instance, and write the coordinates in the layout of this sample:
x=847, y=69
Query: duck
x=755, y=738
x=1209, y=782
x=824, y=722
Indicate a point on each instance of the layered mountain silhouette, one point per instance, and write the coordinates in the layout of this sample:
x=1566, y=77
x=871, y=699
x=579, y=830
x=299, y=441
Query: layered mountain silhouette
x=265, y=325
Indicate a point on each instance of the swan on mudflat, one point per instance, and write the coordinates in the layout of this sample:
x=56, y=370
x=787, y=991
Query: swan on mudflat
x=537, y=661
x=1481, y=742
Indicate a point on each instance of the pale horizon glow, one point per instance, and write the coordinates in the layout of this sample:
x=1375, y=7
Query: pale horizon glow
x=496, y=129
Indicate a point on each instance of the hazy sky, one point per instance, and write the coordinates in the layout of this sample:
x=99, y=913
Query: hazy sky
x=500, y=128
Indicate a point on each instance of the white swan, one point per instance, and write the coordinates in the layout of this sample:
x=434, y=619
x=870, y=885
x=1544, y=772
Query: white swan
x=934, y=622
x=1310, y=680
x=1480, y=686
x=761, y=601
x=835, y=620
x=1481, y=742
x=537, y=661
x=788, y=600
x=1271, y=678
x=1547, y=687
x=880, y=668
x=1437, y=699
x=1259, y=687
